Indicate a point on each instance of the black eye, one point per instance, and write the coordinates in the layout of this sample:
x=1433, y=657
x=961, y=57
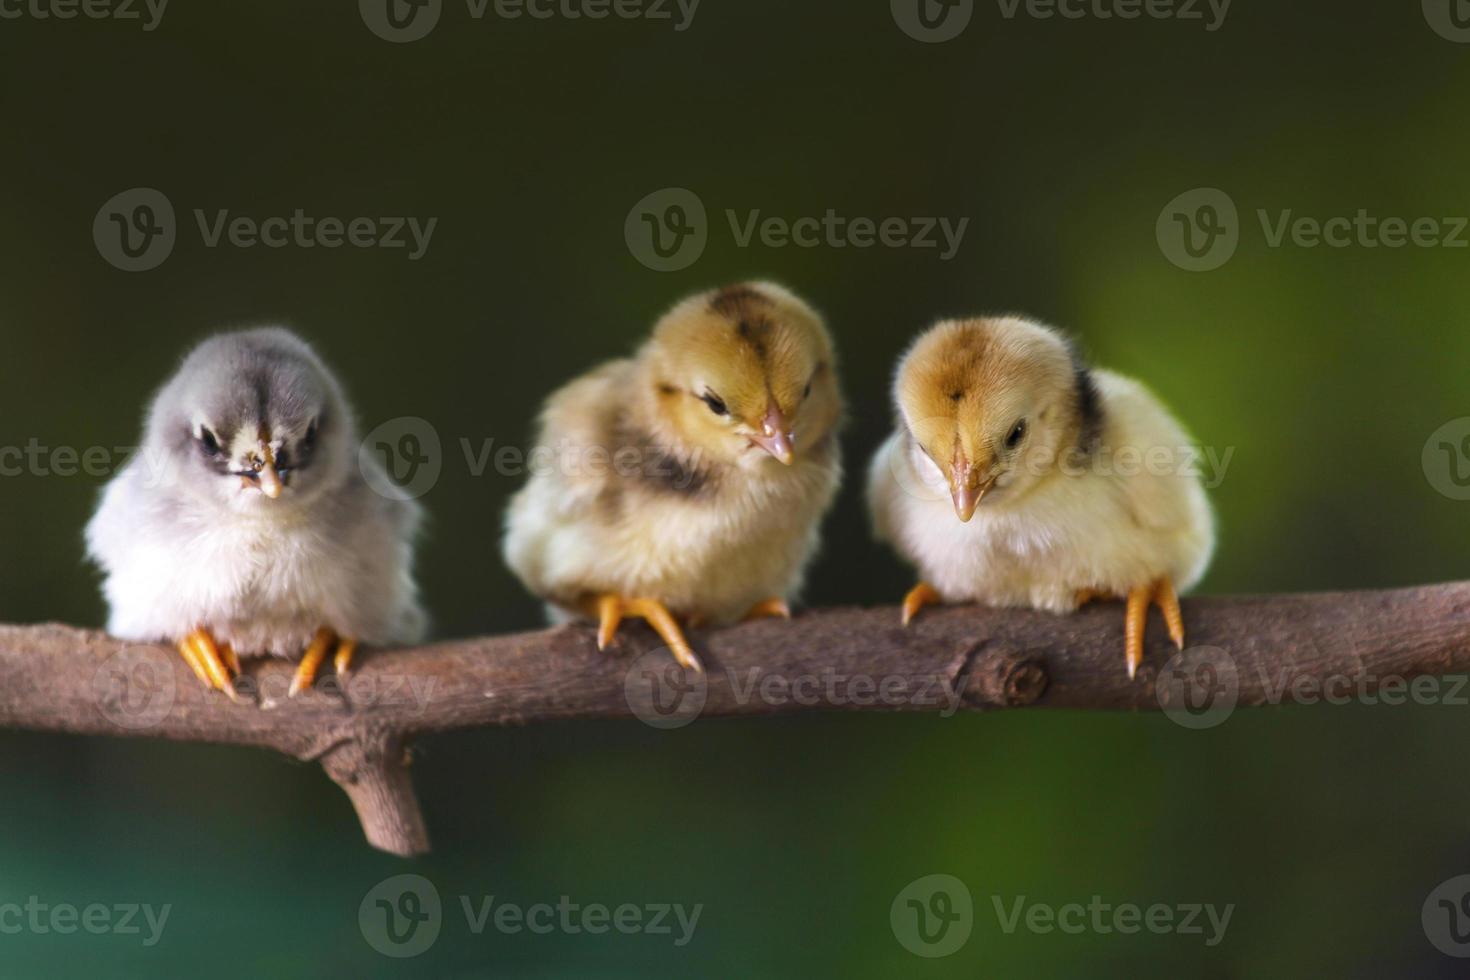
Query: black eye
x=715, y=404
x=1018, y=432
x=808, y=392
x=308, y=441
x=208, y=442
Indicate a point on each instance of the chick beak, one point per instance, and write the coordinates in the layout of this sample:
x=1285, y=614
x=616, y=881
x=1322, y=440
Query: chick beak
x=967, y=490
x=266, y=477
x=776, y=438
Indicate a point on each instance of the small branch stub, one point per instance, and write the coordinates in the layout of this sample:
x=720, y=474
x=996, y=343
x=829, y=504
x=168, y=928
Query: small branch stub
x=377, y=781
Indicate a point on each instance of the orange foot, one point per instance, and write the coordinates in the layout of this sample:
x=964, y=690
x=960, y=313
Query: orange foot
x=918, y=597
x=611, y=608
x=773, y=608
x=215, y=665
x=1161, y=594
x=311, y=661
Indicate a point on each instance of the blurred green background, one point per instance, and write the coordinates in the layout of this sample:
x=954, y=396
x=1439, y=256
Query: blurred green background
x=1061, y=140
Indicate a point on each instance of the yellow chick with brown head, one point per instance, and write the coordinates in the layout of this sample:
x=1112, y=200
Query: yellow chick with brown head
x=1019, y=477
x=686, y=484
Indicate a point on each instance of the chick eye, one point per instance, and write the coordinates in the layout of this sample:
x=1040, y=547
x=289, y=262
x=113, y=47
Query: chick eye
x=807, y=393
x=1018, y=432
x=208, y=442
x=308, y=441
x=715, y=403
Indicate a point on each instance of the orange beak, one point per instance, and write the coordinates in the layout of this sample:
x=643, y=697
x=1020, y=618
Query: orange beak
x=966, y=490
x=776, y=437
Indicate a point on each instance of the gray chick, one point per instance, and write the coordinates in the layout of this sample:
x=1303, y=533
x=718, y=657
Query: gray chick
x=245, y=526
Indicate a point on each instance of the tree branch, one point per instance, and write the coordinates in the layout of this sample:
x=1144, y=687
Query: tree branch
x=1243, y=651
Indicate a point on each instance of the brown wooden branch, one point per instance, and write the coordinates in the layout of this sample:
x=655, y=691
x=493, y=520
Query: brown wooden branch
x=1243, y=651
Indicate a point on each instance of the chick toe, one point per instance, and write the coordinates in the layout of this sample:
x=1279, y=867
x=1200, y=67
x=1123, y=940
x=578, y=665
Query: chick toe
x=206, y=662
x=1168, y=602
x=191, y=657
x=342, y=659
x=918, y=597
x=773, y=608
x=1136, y=619
x=311, y=661
x=611, y=609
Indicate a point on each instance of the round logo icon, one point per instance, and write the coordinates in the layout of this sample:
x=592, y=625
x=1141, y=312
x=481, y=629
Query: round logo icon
x=1199, y=687
x=135, y=230
x=667, y=230
x=401, y=916
x=915, y=473
x=662, y=693
x=400, y=21
x=401, y=459
x=1446, y=459
x=933, y=916
x=1450, y=19
x=932, y=21
x=134, y=688
x=1199, y=230
x=1446, y=917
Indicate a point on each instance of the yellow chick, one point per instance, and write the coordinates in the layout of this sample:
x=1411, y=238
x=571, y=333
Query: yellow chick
x=1019, y=477
x=687, y=482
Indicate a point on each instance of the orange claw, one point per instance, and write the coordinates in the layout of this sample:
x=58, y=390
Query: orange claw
x=918, y=597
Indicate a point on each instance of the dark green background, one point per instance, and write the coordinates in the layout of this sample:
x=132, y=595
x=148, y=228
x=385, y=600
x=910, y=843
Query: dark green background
x=1326, y=370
